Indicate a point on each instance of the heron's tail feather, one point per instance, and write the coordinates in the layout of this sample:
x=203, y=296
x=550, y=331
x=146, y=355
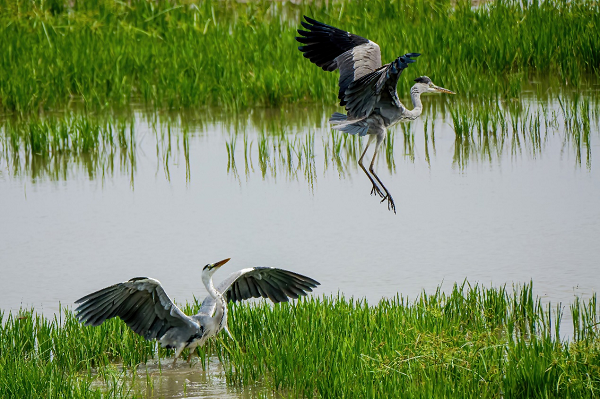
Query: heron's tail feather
x=337, y=118
x=353, y=126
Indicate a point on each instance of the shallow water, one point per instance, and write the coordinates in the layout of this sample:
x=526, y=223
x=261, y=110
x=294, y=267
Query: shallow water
x=160, y=379
x=523, y=213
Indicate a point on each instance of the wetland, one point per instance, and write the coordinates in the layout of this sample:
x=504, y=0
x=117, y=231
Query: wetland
x=150, y=138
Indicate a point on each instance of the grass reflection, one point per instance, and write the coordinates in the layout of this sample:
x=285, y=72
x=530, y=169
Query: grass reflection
x=485, y=134
x=294, y=143
x=57, y=147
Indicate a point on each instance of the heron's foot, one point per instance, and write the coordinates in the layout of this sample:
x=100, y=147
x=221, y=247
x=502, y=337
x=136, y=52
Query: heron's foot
x=391, y=205
x=377, y=191
x=387, y=196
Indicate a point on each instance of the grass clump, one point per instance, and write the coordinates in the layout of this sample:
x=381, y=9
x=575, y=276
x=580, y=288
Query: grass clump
x=240, y=54
x=70, y=135
x=471, y=341
x=42, y=358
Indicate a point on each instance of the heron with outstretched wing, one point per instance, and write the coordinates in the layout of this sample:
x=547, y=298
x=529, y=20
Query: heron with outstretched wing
x=367, y=88
x=145, y=307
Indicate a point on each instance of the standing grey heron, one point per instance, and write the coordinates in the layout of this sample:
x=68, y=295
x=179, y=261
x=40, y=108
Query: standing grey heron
x=143, y=304
x=367, y=89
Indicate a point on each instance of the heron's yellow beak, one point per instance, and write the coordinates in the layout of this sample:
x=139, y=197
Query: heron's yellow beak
x=442, y=90
x=220, y=263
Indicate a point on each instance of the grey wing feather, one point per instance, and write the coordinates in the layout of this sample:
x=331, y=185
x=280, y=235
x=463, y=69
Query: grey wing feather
x=140, y=302
x=332, y=48
x=268, y=282
x=363, y=94
x=356, y=63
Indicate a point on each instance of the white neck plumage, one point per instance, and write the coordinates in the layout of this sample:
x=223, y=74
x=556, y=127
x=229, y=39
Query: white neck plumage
x=221, y=308
x=208, y=283
x=415, y=96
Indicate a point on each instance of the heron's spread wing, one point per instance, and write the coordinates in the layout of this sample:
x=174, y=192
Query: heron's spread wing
x=332, y=48
x=363, y=94
x=141, y=302
x=268, y=282
x=324, y=43
x=356, y=63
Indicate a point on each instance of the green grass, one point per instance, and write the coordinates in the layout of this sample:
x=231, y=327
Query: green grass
x=471, y=341
x=223, y=53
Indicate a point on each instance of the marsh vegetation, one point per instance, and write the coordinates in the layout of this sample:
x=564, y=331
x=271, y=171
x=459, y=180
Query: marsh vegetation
x=295, y=144
x=91, y=89
x=472, y=340
x=230, y=54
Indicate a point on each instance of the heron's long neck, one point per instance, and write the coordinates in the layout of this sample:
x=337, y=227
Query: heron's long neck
x=221, y=308
x=415, y=96
x=208, y=283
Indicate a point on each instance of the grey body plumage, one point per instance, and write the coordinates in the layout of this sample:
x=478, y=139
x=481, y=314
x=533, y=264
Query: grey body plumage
x=367, y=89
x=145, y=307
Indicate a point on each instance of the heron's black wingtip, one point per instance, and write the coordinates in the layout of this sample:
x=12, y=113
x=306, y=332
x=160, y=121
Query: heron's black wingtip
x=313, y=23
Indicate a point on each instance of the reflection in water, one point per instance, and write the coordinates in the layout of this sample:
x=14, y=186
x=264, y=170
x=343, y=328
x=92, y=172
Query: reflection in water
x=276, y=154
x=57, y=147
x=290, y=142
x=482, y=135
x=210, y=185
x=156, y=379
x=485, y=134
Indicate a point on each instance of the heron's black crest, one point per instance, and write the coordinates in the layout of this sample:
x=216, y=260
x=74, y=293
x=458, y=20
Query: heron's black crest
x=423, y=79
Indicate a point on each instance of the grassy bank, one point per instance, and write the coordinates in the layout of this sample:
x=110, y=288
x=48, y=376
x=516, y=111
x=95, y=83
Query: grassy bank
x=470, y=342
x=106, y=53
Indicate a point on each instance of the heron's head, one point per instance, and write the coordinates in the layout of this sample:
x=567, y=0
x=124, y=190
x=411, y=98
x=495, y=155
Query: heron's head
x=425, y=85
x=211, y=268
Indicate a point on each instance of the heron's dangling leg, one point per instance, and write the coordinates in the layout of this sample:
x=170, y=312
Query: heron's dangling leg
x=365, y=150
x=375, y=189
x=388, y=196
x=192, y=351
x=178, y=352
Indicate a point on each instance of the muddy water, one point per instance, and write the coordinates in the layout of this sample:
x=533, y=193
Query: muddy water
x=160, y=379
x=515, y=216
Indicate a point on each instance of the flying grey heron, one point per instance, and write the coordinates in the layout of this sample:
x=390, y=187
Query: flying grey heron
x=367, y=88
x=143, y=304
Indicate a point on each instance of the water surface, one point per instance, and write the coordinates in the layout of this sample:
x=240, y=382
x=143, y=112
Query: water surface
x=522, y=212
